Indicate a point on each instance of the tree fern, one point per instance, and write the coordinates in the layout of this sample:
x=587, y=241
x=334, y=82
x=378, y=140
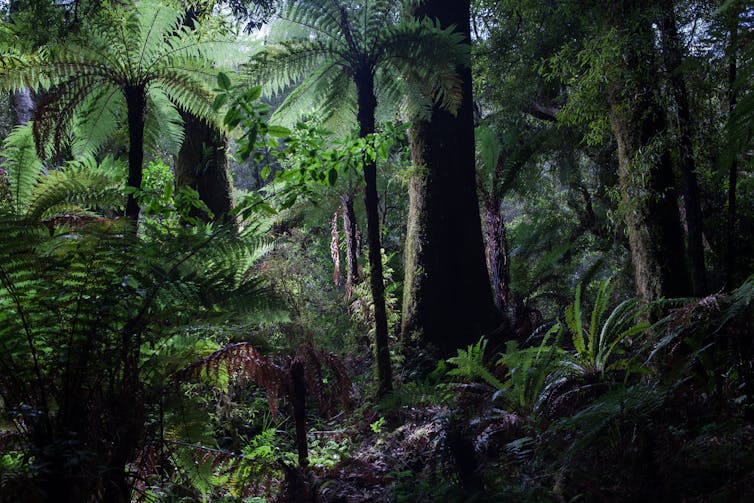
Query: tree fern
x=378, y=53
x=141, y=57
x=79, y=314
x=319, y=46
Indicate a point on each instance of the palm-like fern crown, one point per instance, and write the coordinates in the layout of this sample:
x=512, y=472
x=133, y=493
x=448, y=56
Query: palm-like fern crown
x=328, y=44
x=83, y=81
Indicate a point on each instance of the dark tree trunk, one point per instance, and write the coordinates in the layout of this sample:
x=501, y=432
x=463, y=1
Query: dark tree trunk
x=298, y=398
x=730, y=224
x=447, y=297
x=202, y=164
x=367, y=103
x=352, y=245
x=136, y=103
x=673, y=58
x=645, y=170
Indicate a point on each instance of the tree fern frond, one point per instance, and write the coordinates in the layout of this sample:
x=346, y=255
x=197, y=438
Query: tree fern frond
x=279, y=66
x=22, y=166
x=163, y=121
x=83, y=183
x=439, y=50
x=100, y=116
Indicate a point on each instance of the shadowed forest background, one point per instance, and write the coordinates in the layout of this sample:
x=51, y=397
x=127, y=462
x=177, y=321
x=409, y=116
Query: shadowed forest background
x=376, y=251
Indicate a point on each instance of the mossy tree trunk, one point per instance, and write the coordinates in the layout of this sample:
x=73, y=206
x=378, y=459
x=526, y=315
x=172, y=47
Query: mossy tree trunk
x=730, y=224
x=21, y=107
x=447, y=299
x=646, y=178
x=496, y=251
x=671, y=50
x=202, y=164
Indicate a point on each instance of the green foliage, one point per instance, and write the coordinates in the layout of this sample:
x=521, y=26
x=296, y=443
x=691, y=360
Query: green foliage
x=85, y=80
x=81, y=312
x=529, y=371
x=329, y=48
x=597, y=344
x=362, y=307
x=470, y=364
x=72, y=189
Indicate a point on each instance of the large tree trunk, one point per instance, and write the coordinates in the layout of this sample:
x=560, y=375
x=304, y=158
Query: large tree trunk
x=645, y=170
x=367, y=103
x=21, y=102
x=671, y=49
x=202, y=164
x=447, y=299
x=136, y=103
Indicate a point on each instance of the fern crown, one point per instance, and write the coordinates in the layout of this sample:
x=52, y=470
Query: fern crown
x=326, y=45
x=84, y=81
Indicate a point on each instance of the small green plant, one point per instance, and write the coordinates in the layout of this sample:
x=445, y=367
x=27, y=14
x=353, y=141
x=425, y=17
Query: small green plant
x=528, y=371
x=326, y=453
x=377, y=425
x=470, y=365
x=597, y=344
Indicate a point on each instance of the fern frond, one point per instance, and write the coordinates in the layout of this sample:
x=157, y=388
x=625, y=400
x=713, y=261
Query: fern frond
x=98, y=119
x=22, y=166
x=79, y=184
x=163, y=122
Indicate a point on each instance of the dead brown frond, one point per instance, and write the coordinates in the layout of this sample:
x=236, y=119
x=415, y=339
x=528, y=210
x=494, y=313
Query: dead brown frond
x=242, y=361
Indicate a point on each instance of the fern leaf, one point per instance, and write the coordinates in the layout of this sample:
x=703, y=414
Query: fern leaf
x=22, y=166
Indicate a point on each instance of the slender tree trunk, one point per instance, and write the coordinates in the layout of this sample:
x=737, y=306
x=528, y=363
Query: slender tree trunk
x=730, y=224
x=497, y=253
x=136, y=103
x=202, y=164
x=673, y=57
x=298, y=398
x=646, y=173
x=447, y=297
x=367, y=103
x=352, y=249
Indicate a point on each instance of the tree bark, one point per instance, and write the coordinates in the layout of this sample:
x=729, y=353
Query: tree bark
x=367, y=104
x=298, y=399
x=645, y=171
x=136, y=103
x=671, y=50
x=352, y=245
x=730, y=224
x=447, y=299
x=497, y=254
x=22, y=107
x=202, y=164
